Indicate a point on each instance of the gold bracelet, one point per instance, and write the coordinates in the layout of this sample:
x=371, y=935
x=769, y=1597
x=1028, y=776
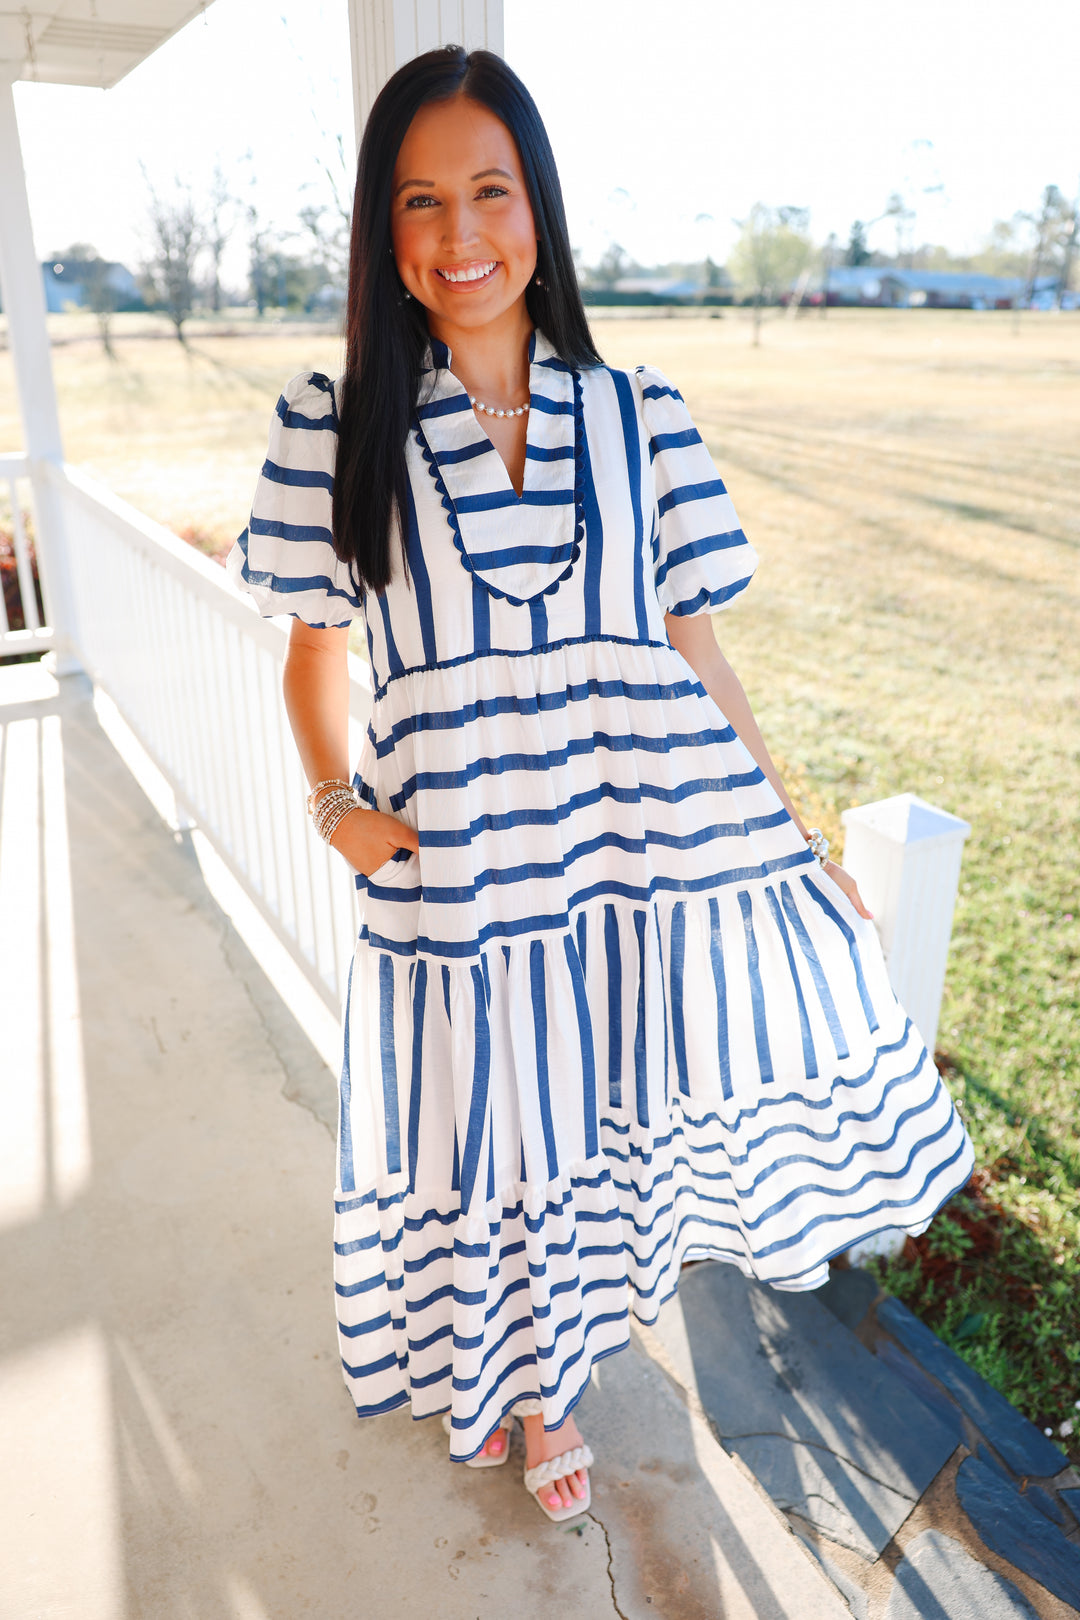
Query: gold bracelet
x=330, y=782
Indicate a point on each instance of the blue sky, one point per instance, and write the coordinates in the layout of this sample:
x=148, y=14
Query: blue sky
x=668, y=120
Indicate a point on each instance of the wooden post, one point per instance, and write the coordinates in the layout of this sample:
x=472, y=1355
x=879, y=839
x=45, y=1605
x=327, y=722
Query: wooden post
x=385, y=33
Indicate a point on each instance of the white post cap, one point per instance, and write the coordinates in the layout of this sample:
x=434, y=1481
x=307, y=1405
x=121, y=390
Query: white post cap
x=907, y=819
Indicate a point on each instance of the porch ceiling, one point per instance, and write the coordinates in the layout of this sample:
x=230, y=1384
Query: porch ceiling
x=93, y=42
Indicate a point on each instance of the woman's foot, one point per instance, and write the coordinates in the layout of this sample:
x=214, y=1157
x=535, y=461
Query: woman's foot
x=540, y=1444
x=495, y=1445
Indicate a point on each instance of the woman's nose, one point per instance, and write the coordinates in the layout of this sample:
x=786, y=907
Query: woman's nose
x=459, y=226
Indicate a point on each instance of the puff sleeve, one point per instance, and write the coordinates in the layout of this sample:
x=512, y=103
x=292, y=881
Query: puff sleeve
x=285, y=558
x=701, y=556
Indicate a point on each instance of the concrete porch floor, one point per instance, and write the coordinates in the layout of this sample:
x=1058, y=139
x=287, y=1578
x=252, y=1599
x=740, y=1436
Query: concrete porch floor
x=178, y=1440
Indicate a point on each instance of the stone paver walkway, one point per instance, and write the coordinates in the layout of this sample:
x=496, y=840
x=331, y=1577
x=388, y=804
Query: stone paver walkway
x=920, y=1489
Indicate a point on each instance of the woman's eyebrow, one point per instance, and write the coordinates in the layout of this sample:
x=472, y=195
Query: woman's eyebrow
x=483, y=175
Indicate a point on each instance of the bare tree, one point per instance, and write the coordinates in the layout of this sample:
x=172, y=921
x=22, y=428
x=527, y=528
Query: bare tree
x=177, y=238
x=96, y=276
x=773, y=249
x=1003, y=252
x=328, y=231
x=1047, y=225
x=102, y=299
x=220, y=221
x=610, y=267
x=897, y=209
x=260, y=257
x=828, y=259
x=857, y=251
x=1068, y=251
x=327, y=224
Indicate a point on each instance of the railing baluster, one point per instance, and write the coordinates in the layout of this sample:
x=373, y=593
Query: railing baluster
x=233, y=823
x=215, y=812
x=31, y=617
x=198, y=790
x=257, y=783
x=276, y=803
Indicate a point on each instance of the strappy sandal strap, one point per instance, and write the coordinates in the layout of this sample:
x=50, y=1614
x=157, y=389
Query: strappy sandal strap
x=553, y=1468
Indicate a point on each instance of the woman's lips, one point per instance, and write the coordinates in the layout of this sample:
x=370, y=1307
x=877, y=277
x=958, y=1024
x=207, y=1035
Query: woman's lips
x=475, y=274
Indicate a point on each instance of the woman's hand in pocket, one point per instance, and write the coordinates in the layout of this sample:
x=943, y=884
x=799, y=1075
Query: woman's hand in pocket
x=368, y=839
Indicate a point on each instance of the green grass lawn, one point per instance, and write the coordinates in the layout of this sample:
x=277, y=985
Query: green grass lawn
x=909, y=479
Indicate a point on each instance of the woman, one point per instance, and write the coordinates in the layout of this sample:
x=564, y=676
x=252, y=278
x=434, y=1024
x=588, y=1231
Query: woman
x=609, y=1008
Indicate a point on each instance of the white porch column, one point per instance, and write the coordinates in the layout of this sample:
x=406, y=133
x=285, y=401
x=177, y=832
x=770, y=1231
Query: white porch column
x=386, y=33
x=24, y=304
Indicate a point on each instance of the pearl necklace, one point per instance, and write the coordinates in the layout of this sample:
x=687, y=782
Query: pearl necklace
x=478, y=405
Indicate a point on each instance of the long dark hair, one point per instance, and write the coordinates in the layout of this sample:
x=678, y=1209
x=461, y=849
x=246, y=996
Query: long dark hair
x=386, y=333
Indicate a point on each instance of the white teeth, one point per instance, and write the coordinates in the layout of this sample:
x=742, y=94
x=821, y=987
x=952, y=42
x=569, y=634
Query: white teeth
x=476, y=274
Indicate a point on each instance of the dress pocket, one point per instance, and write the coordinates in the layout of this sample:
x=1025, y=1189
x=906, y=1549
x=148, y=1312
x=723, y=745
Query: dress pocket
x=402, y=870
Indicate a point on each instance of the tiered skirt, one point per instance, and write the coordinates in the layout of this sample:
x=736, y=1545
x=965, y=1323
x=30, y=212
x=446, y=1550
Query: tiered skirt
x=613, y=1014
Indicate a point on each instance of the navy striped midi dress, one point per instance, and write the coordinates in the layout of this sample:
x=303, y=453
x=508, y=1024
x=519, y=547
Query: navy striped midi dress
x=613, y=1014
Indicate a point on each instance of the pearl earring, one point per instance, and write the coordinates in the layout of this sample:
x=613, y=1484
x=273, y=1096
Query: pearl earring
x=404, y=293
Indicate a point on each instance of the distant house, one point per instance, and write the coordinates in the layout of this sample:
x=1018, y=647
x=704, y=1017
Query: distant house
x=648, y=289
x=884, y=286
x=66, y=284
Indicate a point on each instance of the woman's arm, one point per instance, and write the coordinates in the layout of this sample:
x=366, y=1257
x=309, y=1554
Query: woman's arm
x=694, y=639
x=316, y=687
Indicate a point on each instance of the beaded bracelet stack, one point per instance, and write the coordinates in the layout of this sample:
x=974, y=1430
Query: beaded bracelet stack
x=819, y=844
x=329, y=803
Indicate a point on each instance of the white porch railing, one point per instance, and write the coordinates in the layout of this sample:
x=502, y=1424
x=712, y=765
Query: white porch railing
x=33, y=636
x=196, y=674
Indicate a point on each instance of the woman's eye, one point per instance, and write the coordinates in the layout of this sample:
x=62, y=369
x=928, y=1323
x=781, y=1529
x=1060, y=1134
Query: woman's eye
x=493, y=191
x=420, y=201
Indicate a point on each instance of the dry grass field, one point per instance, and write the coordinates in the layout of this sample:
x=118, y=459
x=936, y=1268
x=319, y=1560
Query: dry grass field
x=910, y=479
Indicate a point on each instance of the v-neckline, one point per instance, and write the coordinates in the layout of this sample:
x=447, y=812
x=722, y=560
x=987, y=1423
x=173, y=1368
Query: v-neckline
x=519, y=494
x=531, y=553
x=444, y=362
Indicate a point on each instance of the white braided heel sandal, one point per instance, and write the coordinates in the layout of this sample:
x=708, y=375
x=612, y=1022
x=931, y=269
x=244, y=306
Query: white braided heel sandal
x=554, y=1468
x=484, y=1459
x=546, y=1473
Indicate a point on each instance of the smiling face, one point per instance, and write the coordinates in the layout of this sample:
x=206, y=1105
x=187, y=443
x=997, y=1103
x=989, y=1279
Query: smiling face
x=461, y=222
